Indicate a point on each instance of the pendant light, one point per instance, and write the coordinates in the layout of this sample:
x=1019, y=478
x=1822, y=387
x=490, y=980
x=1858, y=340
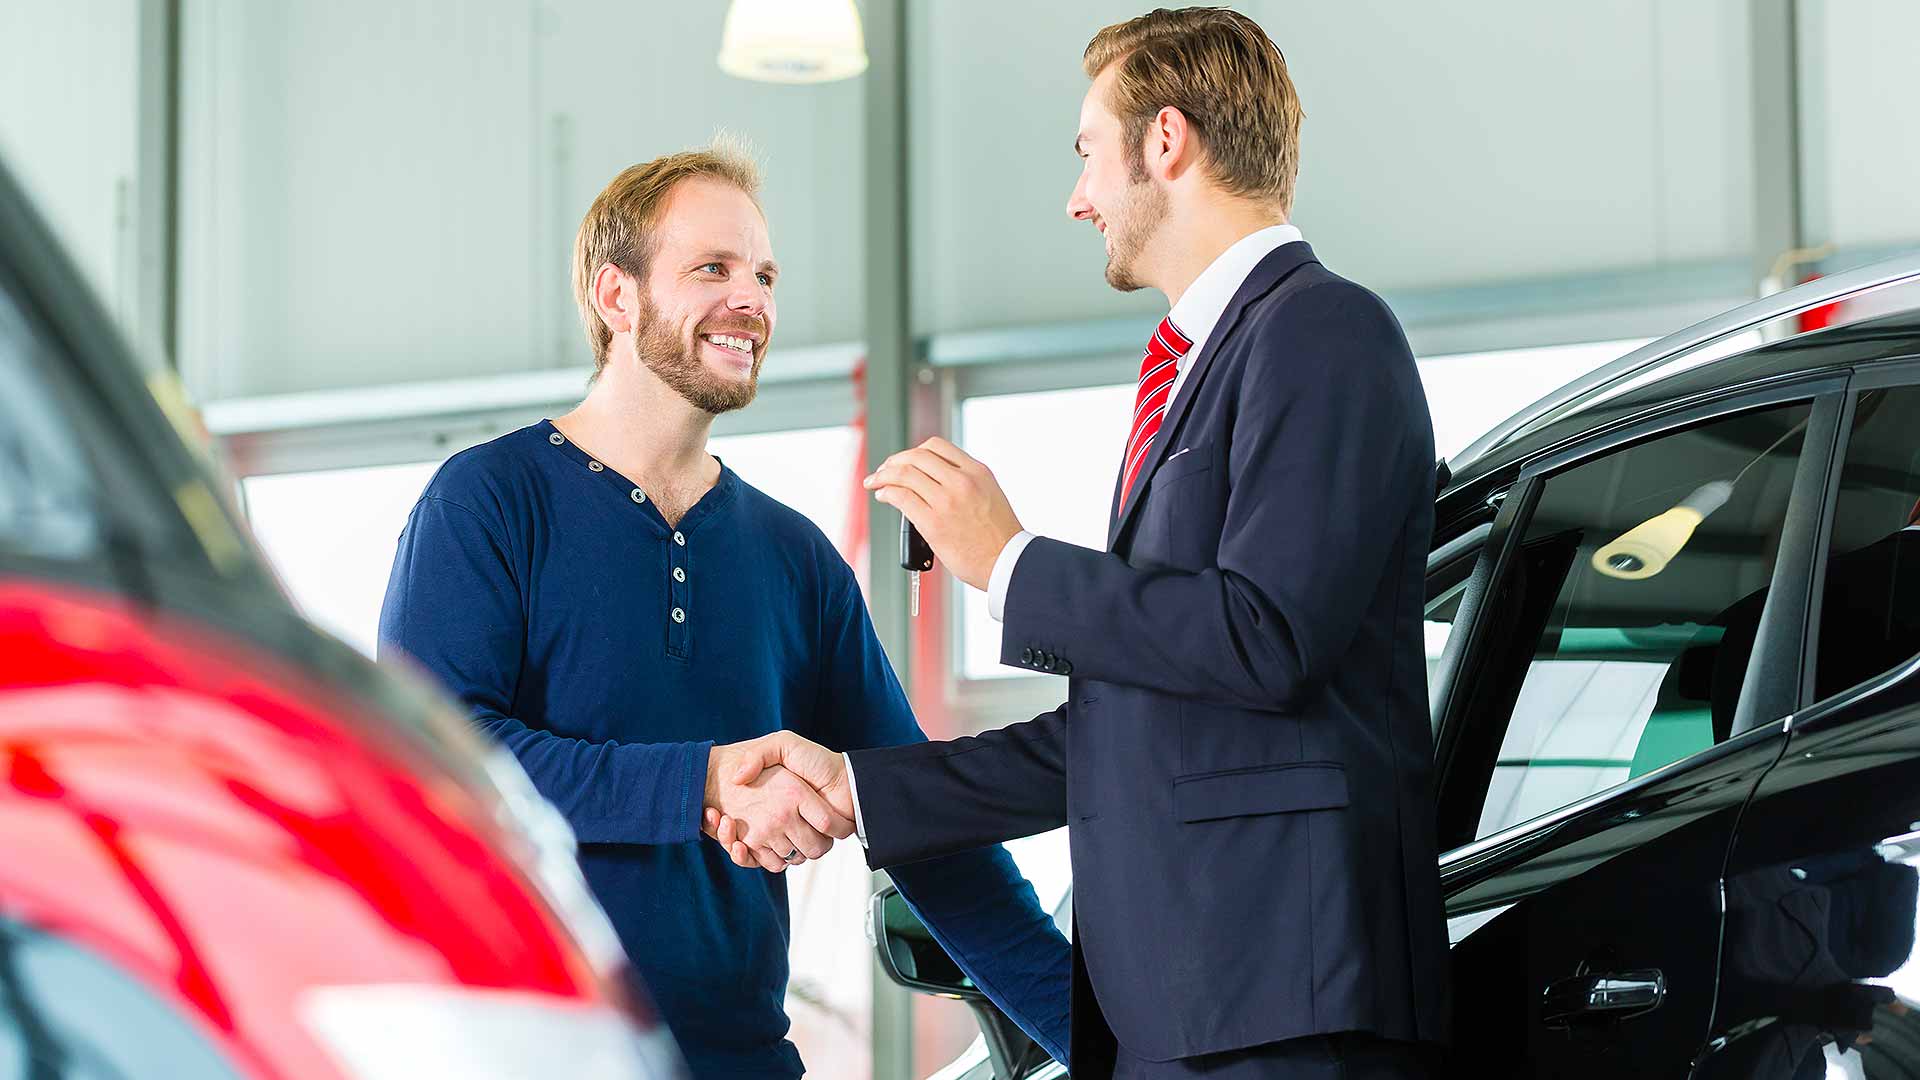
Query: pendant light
x=793, y=41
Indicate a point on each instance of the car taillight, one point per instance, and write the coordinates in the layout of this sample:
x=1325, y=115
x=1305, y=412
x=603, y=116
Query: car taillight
x=420, y=1032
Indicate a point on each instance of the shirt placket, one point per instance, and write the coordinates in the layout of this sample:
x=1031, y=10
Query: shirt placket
x=679, y=630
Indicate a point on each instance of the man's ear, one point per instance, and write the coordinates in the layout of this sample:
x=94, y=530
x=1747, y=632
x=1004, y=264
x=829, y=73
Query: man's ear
x=616, y=296
x=1171, y=149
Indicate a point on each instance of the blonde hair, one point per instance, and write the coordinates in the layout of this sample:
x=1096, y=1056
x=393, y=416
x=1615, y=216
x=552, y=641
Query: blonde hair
x=1225, y=76
x=620, y=226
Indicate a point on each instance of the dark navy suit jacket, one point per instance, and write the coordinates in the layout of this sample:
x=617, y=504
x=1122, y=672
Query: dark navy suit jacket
x=1244, y=759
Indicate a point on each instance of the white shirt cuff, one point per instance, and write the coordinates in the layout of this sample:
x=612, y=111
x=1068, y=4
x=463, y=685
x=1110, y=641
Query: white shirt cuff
x=1002, y=578
x=853, y=792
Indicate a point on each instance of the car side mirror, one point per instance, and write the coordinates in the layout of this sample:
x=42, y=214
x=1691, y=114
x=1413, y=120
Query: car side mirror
x=909, y=954
x=913, y=959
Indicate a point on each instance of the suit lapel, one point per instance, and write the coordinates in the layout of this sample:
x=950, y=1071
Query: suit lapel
x=1268, y=273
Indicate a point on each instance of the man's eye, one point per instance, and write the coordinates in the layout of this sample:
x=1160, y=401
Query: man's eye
x=767, y=280
x=715, y=268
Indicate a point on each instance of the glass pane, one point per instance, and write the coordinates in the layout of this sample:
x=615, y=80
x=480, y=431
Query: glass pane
x=1641, y=577
x=811, y=470
x=331, y=537
x=1869, y=623
x=48, y=501
x=1055, y=454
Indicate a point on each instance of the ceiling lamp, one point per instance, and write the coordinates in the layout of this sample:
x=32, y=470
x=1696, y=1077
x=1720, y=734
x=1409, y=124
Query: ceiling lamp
x=793, y=41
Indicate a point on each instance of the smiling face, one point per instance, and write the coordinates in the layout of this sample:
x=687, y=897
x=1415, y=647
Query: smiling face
x=707, y=308
x=1115, y=192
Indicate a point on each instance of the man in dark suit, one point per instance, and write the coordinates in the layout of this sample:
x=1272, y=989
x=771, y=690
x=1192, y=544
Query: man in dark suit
x=1244, y=761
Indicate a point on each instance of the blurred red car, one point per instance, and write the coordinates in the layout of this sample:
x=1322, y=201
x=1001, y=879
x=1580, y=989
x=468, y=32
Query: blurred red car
x=229, y=845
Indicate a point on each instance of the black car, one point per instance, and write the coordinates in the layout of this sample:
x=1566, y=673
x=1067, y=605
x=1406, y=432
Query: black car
x=1676, y=715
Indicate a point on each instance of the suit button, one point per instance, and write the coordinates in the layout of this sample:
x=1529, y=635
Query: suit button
x=1047, y=665
x=1066, y=668
x=1026, y=656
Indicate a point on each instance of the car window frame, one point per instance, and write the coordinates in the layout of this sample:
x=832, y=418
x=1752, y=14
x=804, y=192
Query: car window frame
x=1461, y=789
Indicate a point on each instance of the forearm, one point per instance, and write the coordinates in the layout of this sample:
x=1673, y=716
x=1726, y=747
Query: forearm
x=611, y=792
x=986, y=916
x=924, y=800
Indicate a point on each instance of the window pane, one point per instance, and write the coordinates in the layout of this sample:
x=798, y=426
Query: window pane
x=1870, y=606
x=812, y=470
x=331, y=536
x=1055, y=454
x=1643, y=611
x=48, y=501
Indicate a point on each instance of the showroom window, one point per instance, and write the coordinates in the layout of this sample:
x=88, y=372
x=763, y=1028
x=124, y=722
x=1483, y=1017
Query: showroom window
x=1640, y=579
x=331, y=534
x=1055, y=453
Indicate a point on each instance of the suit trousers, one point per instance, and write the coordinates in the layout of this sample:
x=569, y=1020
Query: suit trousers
x=1346, y=1056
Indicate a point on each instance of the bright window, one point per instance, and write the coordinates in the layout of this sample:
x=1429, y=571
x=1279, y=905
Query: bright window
x=331, y=534
x=1056, y=453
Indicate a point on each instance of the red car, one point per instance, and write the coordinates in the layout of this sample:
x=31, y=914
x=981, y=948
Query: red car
x=230, y=846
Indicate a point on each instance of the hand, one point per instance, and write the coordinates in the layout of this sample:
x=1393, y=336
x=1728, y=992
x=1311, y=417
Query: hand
x=955, y=503
x=819, y=770
x=769, y=811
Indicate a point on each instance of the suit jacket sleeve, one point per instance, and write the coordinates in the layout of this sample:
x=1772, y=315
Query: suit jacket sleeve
x=930, y=799
x=1329, y=445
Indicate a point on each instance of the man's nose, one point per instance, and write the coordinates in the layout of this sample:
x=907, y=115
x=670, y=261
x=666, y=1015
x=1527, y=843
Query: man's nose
x=1078, y=208
x=747, y=301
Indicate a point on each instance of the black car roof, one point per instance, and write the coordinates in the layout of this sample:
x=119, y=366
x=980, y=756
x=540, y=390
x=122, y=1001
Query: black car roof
x=1888, y=337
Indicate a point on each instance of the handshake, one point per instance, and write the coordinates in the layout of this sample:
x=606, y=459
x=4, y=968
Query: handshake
x=776, y=801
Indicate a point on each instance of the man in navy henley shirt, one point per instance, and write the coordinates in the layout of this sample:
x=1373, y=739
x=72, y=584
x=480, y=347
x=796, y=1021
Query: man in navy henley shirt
x=620, y=610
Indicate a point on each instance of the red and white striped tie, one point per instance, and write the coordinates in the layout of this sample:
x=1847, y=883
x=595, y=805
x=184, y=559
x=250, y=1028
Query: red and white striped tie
x=1158, y=368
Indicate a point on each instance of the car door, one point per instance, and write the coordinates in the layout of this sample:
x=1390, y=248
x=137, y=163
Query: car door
x=1820, y=975
x=1597, y=735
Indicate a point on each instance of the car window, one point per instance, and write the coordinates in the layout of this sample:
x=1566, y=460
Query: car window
x=1639, y=583
x=67, y=1012
x=1870, y=598
x=47, y=497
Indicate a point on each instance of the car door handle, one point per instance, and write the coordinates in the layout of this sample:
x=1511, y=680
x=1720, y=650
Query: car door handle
x=1602, y=995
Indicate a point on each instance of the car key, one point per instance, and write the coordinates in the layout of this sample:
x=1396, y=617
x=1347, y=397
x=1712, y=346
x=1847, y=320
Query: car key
x=915, y=558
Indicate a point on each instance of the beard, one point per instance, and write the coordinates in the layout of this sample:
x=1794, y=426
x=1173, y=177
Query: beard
x=677, y=361
x=1131, y=228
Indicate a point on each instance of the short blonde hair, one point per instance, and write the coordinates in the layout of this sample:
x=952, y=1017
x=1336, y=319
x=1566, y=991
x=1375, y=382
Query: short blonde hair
x=1225, y=76
x=620, y=226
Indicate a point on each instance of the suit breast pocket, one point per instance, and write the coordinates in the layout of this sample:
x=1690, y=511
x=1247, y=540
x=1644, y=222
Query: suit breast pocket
x=1189, y=506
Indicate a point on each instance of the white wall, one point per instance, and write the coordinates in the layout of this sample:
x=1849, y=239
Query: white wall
x=68, y=110
x=1443, y=145
x=387, y=190
x=1861, y=123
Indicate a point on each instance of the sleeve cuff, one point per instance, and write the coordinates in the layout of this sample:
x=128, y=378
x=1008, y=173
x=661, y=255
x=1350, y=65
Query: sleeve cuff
x=1003, y=575
x=853, y=792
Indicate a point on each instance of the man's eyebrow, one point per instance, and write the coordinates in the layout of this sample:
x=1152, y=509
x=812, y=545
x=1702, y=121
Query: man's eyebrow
x=771, y=267
x=720, y=255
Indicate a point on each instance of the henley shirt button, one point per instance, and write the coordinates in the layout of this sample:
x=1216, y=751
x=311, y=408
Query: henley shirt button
x=639, y=496
x=680, y=538
x=679, y=574
x=679, y=615
x=595, y=466
x=556, y=438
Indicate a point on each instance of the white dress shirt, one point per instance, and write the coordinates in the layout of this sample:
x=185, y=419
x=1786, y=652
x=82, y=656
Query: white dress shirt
x=1197, y=313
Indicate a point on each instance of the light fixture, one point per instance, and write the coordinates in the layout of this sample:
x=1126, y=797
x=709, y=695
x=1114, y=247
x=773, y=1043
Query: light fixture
x=1648, y=547
x=1645, y=549
x=793, y=41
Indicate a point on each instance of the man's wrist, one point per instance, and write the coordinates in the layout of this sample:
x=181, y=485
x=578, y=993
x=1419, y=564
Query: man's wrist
x=853, y=796
x=1002, y=577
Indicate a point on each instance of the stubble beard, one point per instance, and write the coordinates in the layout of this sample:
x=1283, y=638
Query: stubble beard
x=1141, y=214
